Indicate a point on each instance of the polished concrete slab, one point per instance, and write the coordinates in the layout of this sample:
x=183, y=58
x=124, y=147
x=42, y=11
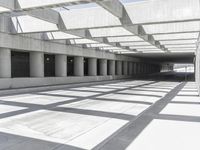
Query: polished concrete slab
x=129, y=115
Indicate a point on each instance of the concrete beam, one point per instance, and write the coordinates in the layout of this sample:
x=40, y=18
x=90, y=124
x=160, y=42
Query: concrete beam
x=15, y=42
x=10, y=4
x=5, y=63
x=126, y=21
x=52, y=16
x=115, y=9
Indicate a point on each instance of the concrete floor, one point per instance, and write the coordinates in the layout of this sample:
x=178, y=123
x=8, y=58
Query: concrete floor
x=124, y=115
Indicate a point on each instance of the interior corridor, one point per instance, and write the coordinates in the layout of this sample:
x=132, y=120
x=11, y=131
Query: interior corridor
x=113, y=115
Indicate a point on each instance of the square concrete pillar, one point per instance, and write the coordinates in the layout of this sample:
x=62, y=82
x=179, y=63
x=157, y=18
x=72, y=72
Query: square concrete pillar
x=36, y=64
x=92, y=66
x=119, y=67
x=135, y=68
x=125, y=68
x=5, y=63
x=78, y=66
x=60, y=65
x=103, y=67
x=130, y=68
x=111, y=67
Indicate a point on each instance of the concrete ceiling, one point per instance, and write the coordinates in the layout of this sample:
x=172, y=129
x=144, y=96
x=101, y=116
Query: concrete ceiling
x=168, y=57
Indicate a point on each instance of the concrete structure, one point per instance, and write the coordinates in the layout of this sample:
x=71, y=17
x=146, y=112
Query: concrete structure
x=61, y=65
x=53, y=37
x=103, y=67
x=5, y=63
x=111, y=67
x=36, y=64
x=92, y=66
x=98, y=75
x=119, y=67
x=84, y=116
x=78, y=66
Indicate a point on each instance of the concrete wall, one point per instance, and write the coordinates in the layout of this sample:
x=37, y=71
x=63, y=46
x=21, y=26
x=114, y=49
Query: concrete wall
x=197, y=68
x=8, y=83
x=37, y=48
x=166, y=67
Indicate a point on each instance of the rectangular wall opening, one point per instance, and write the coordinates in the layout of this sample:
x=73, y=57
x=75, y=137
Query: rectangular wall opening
x=108, y=67
x=85, y=66
x=98, y=67
x=49, y=65
x=70, y=66
x=184, y=72
x=137, y=68
x=116, y=68
x=20, y=64
x=123, y=68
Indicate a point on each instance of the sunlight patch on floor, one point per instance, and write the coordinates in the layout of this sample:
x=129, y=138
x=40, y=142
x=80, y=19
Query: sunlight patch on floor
x=168, y=135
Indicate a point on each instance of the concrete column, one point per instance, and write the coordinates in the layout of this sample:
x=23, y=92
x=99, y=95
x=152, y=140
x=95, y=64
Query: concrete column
x=92, y=66
x=60, y=65
x=112, y=67
x=141, y=69
x=138, y=68
x=125, y=68
x=78, y=66
x=144, y=68
x=134, y=68
x=103, y=67
x=119, y=67
x=130, y=68
x=36, y=64
x=5, y=63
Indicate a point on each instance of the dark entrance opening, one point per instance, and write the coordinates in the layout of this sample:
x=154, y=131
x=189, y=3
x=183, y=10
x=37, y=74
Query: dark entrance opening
x=49, y=65
x=85, y=66
x=116, y=67
x=123, y=68
x=108, y=67
x=70, y=66
x=20, y=65
x=98, y=67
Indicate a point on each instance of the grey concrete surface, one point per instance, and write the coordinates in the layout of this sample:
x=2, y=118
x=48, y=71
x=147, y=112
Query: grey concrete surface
x=120, y=115
x=8, y=83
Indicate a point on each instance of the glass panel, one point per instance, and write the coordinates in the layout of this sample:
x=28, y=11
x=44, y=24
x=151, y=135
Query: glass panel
x=105, y=32
x=110, y=48
x=153, y=52
x=163, y=10
x=60, y=35
x=192, y=26
x=98, y=45
x=176, y=36
x=179, y=42
x=134, y=43
x=3, y=9
x=26, y=24
x=124, y=39
x=153, y=49
x=40, y=3
x=144, y=47
x=181, y=46
x=181, y=49
x=120, y=50
x=82, y=41
x=88, y=18
x=128, y=52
